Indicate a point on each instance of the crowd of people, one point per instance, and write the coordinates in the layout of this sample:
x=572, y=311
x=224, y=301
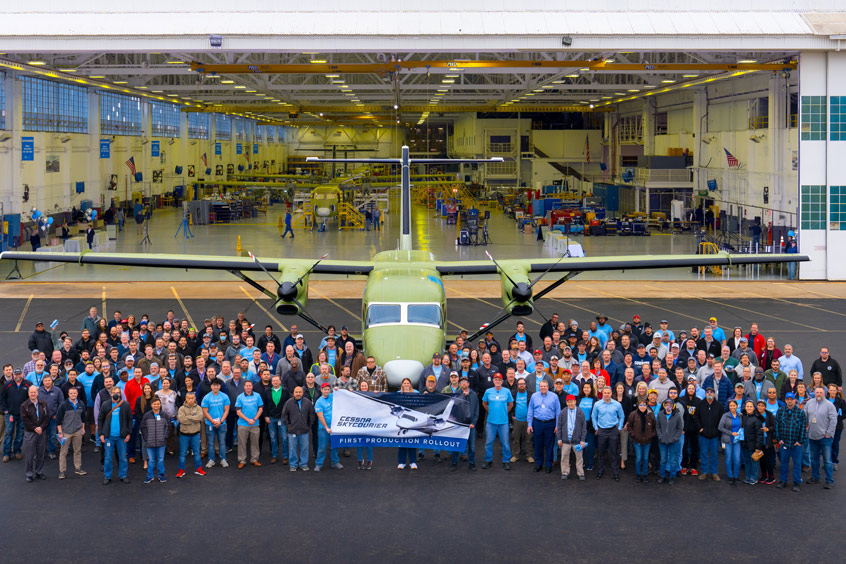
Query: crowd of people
x=595, y=397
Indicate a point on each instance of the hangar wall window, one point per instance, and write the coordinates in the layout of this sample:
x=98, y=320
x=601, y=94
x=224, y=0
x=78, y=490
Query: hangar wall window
x=119, y=114
x=54, y=106
x=2, y=101
x=222, y=127
x=240, y=129
x=814, y=118
x=259, y=133
x=198, y=125
x=164, y=119
x=813, y=207
x=837, y=207
x=838, y=118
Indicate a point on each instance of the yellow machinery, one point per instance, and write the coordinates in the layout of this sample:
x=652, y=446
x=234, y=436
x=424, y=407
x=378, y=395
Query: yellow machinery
x=708, y=248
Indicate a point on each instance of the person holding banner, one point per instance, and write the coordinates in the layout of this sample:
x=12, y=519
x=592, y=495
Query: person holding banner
x=498, y=402
x=473, y=412
x=364, y=464
x=323, y=410
x=298, y=417
x=406, y=455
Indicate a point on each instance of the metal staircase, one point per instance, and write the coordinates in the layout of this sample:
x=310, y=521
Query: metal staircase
x=349, y=217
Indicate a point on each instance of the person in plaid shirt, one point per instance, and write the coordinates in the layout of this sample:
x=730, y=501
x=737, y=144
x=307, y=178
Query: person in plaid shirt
x=791, y=431
x=344, y=382
x=373, y=375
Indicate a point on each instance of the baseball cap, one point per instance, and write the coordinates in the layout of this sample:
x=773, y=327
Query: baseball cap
x=465, y=377
x=206, y=336
x=497, y=375
x=710, y=355
x=712, y=319
x=567, y=348
x=570, y=397
x=344, y=328
x=691, y=377
x=691, y=358
x=788, y=395
x=641, y=346
x=18, y=371
x=68, y=361
x=709, y=389
x=762, y=401
x=668, y=400
x=36, y=351
x=453, y=372
x=744, y=340
x=553, y=357
x=432, y=378
x=664, y=321
x=567, y=370
x=635, y=316
x=675, y=345
x=330, y=337
x=538, y=351
x=325, y=385
x=465, y=358
x=436, y=355
x=559, y=381
x=129, y=357
x=300, y=336
x=738, y=385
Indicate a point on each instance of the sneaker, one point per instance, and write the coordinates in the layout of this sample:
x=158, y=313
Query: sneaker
x=80, y=472
x=148, y=480
x=413, y=466
x=513, y=459
x=400, y=466
x=61, y=475
x=106, y=481
x=795, y=488
x=180, y=474
x=210, y=463
x=781, y=485
x=125, y=480
x=224, y=463
x=317, y=468
x=813, y=481
x=199, y=471
x=582, y=478
x=52, y=456
x=506, y=466
x=292, y=469
x=565, y=476
x=693, y=472
x=703, y=476
x=531, y=460
x=660, y=479
x=453, y=467
x=671, y=481
x=715, y=477
x=472, y=467
x=828, y=485
x=361, y=465
x=486, y=465
x=304, y=468
x=684, y=471
x=162, y=480
x=338, y=466
x=369, y=465
x=273, y=461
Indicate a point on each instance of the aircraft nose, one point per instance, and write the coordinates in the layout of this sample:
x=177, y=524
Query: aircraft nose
x=323, y=212
x=397, y=370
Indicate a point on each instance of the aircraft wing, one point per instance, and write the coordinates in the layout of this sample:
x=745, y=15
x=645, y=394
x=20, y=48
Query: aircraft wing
x=622, y=262
x=210, y=262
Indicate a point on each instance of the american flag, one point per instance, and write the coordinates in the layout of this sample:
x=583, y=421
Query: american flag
x=731, y=159
x=205, y=161
x=587, y=148
x=131, y=164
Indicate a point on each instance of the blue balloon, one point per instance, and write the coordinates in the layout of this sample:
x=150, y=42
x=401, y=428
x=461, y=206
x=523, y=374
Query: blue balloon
x=93, y=214
x=36, y=214
x=49, y=221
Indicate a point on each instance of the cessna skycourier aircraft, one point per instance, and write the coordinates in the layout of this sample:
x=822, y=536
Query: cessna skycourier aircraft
x=404, y=303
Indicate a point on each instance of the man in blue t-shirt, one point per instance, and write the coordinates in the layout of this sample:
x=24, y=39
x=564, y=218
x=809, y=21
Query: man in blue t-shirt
x=248, y=406
x=323, y=410
x=498, y=402
x=216, y=408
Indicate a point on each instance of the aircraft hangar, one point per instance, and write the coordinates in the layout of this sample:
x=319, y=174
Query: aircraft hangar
x=625, y=130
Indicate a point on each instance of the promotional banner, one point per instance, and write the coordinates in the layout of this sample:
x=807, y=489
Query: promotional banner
x=105, y=148
x=217, y=148
x=27, y=148
x=238, y=148
x=399, y=420
x=154, y=148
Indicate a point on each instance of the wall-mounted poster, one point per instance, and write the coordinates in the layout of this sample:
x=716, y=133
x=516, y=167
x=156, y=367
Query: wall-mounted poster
x=190, y=171
x=27, y=148
x=230, y=169
x=52, y=163
x=218, y=170
x=157, y=176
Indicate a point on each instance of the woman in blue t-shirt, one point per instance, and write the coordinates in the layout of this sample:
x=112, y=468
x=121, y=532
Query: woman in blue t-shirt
x=587, y=398
x=407, y=455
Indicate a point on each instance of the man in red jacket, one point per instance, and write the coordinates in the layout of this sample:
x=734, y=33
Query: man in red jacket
x=756, y=340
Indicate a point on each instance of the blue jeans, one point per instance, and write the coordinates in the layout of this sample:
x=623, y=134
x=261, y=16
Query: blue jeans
x=115, y=445
x=806, y=453
x=641, y=458
x=51, y=436
x=785, y=454
x=13, y=429
x=406, y=456
x=835, y=447
x=709, y=451
x=155, y=462
x=133, y=437
x=277, y=431
x=322, y=445
x=678, y=466
x=361, y=452
x=822, y=447
x=211, y=433
x=186, y=442
x=791, y=270
x=750, y=467
x=470, y=450
x=669, y=455
x=491, y=432
x=298, y=450
x=733, y=459
x=590, y=450
x=288, y=230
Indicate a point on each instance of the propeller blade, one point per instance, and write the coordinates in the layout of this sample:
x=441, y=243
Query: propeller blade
x=305, y=315
x=500, y=268
x=256, y=260
x=542, y=274
x=501, y=316
x=321, y=259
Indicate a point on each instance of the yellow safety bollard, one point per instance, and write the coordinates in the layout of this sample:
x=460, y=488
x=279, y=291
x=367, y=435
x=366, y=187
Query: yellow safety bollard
x=238, y=246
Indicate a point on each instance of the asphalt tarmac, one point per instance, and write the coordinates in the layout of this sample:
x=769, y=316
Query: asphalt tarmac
x=259, y=514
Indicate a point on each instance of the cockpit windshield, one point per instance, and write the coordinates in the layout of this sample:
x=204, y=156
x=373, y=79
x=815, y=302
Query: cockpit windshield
x=429, y=314
x=379, y=314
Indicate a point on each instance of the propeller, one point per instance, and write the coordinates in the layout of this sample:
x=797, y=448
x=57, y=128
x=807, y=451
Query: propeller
x=520, y=291
x=287, y=291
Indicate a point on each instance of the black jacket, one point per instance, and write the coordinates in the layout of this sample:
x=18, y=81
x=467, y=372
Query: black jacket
x=298, y=419
x=66, y=385
x=274, y=410
x=714, y=347
x=155, y=431
x=830, y=370
x=707, y=418
x=13, y=395
x=124, y=415
x=753, y=434
x=41, y=340
x=29, y=418
x=690, y=405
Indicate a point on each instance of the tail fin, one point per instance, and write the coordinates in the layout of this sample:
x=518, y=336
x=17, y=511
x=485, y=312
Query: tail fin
x=445, y=415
